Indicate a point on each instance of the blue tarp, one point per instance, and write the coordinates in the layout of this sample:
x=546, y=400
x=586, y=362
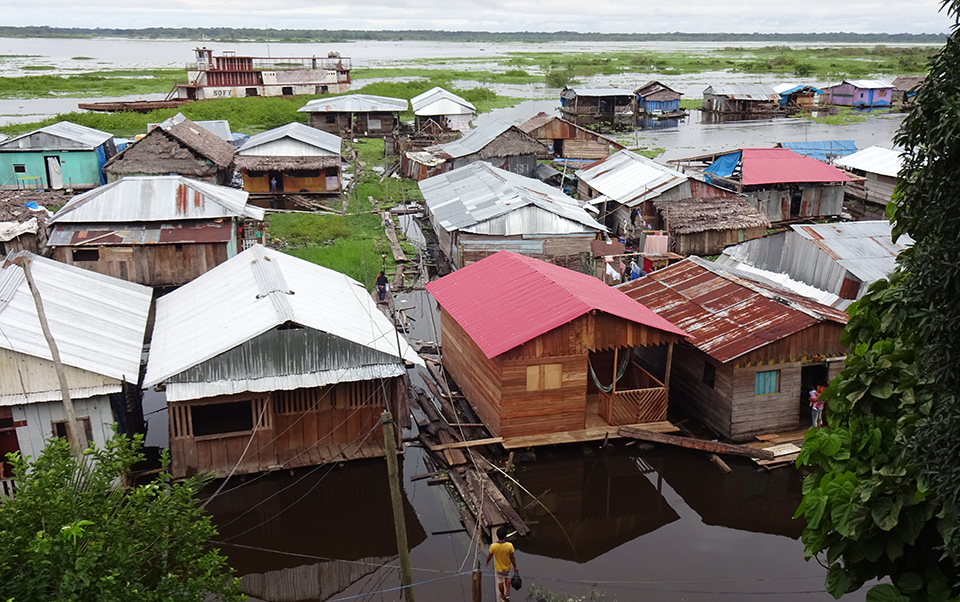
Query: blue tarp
x=101, y=161
x=786, y=93
x=822, y=150
x=723, y=167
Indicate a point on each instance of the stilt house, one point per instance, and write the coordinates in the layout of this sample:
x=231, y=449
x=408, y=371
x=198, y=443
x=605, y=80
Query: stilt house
x=184, y=148
x=797, y=97
x=271, y=362
x=545, y=354
x=62, y=155
x=499, y=144
x=654, y=98
x=291, y=158
x=754, y=352
x=859, y=93
x=624, y=185
x=877, y=170
x=98, y=323
x=156, y=230
x=567, y=140
x=447, y=110
x=781, y=183
x=707, y=226
x=743, y=99
x=477, y=210
x=585, y=106
x=356, y=115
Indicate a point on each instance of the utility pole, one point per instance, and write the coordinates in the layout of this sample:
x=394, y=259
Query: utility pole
x=399, y=525
x=77, y=436
x=477, y=575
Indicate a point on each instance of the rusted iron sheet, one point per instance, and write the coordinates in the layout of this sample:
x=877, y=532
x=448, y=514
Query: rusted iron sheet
x=153, y=234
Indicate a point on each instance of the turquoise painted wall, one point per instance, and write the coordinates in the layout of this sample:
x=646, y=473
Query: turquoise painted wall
x=80, y=168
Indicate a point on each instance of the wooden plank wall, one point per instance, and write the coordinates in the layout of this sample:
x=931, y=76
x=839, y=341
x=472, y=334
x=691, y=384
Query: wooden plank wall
x=526, y=412
x=713, y=242
x=34, y=421
x=302, y=427
x=479, y=378
x=821, y=339
x=711, y=406
x=152, y=265
x=753, y=415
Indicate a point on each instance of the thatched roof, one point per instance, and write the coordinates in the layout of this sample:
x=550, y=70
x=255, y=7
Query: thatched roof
x=905, y=83
x=536, y=121
x=204, y=142
x=258, y=163
x=687, y=216
x=13, y=209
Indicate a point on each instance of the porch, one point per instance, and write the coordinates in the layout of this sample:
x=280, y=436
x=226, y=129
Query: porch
x=637, y=397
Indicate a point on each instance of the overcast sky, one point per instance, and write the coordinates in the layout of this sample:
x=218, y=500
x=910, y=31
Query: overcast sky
x=609, y=16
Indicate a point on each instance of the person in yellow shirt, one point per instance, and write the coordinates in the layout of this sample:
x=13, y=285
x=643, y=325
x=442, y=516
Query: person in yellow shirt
x=502, y=553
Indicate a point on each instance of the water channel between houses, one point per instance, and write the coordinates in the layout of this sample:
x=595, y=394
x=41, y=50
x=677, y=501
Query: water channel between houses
x=632, y=524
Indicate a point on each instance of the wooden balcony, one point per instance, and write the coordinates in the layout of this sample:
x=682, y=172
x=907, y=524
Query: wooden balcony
x=636, y=398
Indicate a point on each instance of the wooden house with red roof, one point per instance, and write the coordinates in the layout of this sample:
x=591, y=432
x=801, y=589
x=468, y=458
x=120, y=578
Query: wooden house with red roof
x=755, y=349
x=535, y=347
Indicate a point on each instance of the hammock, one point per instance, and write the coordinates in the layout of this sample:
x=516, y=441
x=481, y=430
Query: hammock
x=621, y=370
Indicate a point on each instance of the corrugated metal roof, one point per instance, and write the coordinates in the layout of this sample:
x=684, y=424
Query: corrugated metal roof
x=354, y=103
x=73, y=235
x=822, y=150
x=506, y=299
x=726, y=315
x=601, y=91
x=97, y=321
x=156, y=199
x=474, y=140
x=874, y=159
x=81, y=134
x=296, y=131
x=744, y=91
x=256, y=291
x=791, y=88
x=470, y=197
x=865, y=249
x=437, y=101
x=866, y=84
x=629, y=178
x=782, y=165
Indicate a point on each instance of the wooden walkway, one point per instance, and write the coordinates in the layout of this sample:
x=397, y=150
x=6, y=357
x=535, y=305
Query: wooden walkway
x=785, y=447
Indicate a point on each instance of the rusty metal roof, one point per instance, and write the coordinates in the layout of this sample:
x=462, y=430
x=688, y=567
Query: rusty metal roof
x=507, y=299
x=156, y=199
x=73, y=235
x=725, y=313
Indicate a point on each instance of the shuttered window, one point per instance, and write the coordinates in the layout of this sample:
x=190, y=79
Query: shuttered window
x=767, y=383
x=544, y=376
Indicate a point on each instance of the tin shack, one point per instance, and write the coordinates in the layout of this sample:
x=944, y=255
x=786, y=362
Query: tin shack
x=62, y=155
x=742, y=99
x=356, y=115
x=654, y=98
x=797, y=97
x=477, y=210
x=566, y=140
x=499, y=144
x=445, y=109
x=153, y=230
x=183, y=147
x=546, y=355
x=585, y=106
x=877, y=170
x=271, y=362
x=754, y=349
x=291, y=158
x=781, y=183
x=98, y=323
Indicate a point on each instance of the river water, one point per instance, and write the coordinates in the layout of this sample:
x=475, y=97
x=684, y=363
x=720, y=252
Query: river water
x=660, y=525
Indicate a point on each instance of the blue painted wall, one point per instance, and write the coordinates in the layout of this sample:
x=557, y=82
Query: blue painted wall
x=81, y=168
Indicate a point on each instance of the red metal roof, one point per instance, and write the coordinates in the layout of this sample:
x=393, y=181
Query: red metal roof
x=507, y=299
x=779, y=165
x=725, y=315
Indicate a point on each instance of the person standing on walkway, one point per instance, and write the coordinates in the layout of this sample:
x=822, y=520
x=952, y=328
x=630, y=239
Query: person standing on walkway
x=816, y=406
x=502, y=553
x=382, y=286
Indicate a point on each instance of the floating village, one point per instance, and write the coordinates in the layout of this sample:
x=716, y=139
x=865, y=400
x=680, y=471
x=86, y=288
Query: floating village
x=550, y=293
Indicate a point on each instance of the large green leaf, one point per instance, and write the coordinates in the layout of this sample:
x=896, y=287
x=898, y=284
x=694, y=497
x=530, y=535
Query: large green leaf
x=885, y=593
x=909, y=583
x=836, y=581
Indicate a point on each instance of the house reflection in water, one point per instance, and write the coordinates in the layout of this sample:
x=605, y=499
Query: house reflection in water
x=747, y=499
x=590, y=506
x=276, y=530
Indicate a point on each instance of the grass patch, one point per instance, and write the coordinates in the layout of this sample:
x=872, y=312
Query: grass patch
x=37, y=68
x=833, y=63
x=689, y=104
x=81, y=58
x=508, y=76
x=117, y=82
x=651, y=153
x=843, y=116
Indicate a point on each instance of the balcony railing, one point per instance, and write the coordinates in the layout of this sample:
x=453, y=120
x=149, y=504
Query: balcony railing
x=638, y=397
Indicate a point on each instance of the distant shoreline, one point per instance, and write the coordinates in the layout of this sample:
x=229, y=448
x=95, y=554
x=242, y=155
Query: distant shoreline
x=227, y=34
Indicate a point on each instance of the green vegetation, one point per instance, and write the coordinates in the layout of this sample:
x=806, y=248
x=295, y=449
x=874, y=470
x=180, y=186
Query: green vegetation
x=842, y=116
x=832, y=62
x=509, y=76
x=38, y=68
x=81, y=58
x=884, y=498
x=75, y=532
x=355, y=243
x=689, y=104
x=652, y=153
x=115, y=82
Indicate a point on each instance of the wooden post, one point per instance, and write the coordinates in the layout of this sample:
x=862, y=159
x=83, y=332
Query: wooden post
x=77, y=436
x=666, y=375
x=614, y=390
x=477, y=580
x=399, y=524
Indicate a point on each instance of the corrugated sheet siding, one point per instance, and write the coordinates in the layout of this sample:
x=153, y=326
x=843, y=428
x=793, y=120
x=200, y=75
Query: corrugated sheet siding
x=40, y=417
